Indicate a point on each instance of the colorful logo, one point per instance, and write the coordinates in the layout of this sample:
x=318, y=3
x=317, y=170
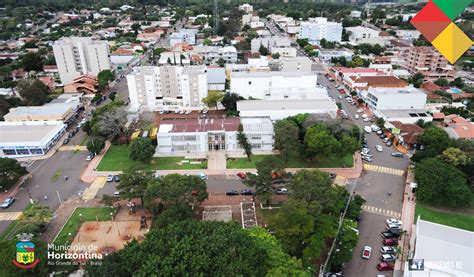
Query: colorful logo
x=435, y=22
x=25, y=252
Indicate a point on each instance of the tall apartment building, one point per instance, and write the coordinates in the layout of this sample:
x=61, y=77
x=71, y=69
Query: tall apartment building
x=429, y=62
x=76, y=56
x=318, y=28
x=167, y=87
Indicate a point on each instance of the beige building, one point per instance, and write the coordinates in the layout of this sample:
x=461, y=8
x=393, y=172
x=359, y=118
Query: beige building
x=76, y=56
x=39, y=113
x=429, y=62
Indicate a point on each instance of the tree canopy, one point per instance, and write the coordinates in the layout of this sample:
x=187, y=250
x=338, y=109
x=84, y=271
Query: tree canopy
x=10, y=173
x=262, y=181
x=213, y=98
x=141, y=149
x=95, y=145
x=33, y=92
x=286, y=138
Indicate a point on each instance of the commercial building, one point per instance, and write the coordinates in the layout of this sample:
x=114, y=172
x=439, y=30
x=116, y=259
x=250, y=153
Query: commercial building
x=441, y=251
x=429, y=62
x=269, y=43
x=248, y=19
x=258, y=84
x=197, y=137
x=280, y=109
x=394, y=98
x=29, y=138
x=76, y=56
x=356, y=14
x=212, y=54
x=167, y=87
x=318, y=28
x=284, y=51
x=361, y=83
x=40, y=113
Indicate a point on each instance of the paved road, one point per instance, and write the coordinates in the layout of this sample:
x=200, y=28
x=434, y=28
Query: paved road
x=373, y=187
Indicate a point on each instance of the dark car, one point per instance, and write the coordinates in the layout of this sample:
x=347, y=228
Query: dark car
x=382, y=136
x=117, y=178
x=384, y=266
x=390, y=242
x=231, y=192
x=389, y=234
x=7, y=203
x=66, y=141
x=332, y=175
x=397, y=154
x=246, y=192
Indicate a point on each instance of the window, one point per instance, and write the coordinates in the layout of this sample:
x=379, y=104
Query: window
x=9, y=152
x=189, y=138
x=23, y=151
x=36, y=151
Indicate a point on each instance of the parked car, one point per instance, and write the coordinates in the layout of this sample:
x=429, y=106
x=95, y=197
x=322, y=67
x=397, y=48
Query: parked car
x=388, y=258
x=110, y=178
x=366, y=252
x=116, y=178
x=384, y=266
x=397, y=155
x=394, y=221
x=281, y=191
x=246, y=192
x=360, y=111
x=367, y=129
x=379, y=132
x=387, y=250
x=7, y=202
x=90, y=157
x=367, y=159
x=382, y=136
x=241, y=175
x=388, y=143
x=389, y=235
x=385, y=140
x=379, y=148
x=231, y=192
x=202, y=176
x=117, y=194
x=66, y=141
x=356, y=116
x=391, y=226
x=390, y=242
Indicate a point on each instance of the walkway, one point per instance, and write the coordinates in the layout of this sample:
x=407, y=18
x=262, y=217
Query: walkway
x=216, y=160
x=90, y=173
x=383, y=169
x=381, y=211
x=72, y=148
x=91, y=191
x=10, y=216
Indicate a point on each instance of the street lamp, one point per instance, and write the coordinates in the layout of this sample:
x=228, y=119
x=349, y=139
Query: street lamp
x=29, y=194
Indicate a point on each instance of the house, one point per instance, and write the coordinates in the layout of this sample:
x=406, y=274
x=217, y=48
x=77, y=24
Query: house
x=458, y=127
x=49, y=82
x=50, y=69
x=85, y=83
x=405, y=134
x=360, y=83
x=151, y=37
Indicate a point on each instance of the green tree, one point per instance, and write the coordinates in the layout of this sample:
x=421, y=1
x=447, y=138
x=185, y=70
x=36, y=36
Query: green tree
x=207, y=248
x=33, y=92
x=262, y=181
x=357, y=61
x=229, y=101
x=221, y=62
x=244, y=142
x=213, y=97
x=207, y=42
x=417, y=80
x=286, y=137
x=346, y=241
x=351, y=144
x=319, y=141
x=141, y=149
x=442, y=82
x=112, y=95
x=458, y=82
x=109, y=120
x=133, y=183
x=32, y=62
x=435, y=140
x=136, y=27
x=454, y=156
x=441, y=184
x=95, y=145
x=87, y=127
x=158, y=51
x=263, y=50
x=174, y=214
x=10, y=172
x=104, y=77
x=34, y=220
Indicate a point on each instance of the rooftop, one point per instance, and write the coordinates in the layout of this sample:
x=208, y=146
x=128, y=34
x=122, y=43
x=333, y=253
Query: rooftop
x=28, y=133
x=247, y=74
x=38, y=111
x=199, y=125
x=380, y=81
x=412, y=113
x=399, y=91
x=314, y=104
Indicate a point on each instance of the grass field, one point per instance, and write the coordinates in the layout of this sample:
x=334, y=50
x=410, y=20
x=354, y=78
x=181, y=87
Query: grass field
x=117, y=159
x=293, y=162
x=74, y=222
x=453, y=219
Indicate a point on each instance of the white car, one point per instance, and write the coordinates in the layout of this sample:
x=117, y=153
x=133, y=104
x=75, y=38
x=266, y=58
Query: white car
x=360, y=111
x=387, y=250
x=366, y=252
x=356, y=116
x=366, y=119
x=394, y=221
x=388, y=258
x=379, y=148
x=110, y=178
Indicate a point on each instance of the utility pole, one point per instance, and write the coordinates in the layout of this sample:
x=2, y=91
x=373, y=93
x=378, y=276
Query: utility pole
x=216, y=16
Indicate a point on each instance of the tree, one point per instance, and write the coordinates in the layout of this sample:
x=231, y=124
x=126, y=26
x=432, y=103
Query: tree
x=174, y=214
x=417, y=79
x=229, y=101
x=435, y=140
x=32, y=62
x=213, y=97
x=263, y=50
x=221, y=62
x=133, y=183
x=136, y=27
x=244, y=142
x=458, y=82
x=286, y=137
x=95, y=145
x=442, y=82
x=87, y=127
x=109, y=122
x=319, y=141
x=33, y=92
x=207, y=42
x=10, y=173
x=346, y=241
x=357, y=61
x=104, y=77
x=380, y=123
x=205, y=248
x=276, y=56
x=34, y=220
x=454, y=156
x=141, y=149
x=112, y=95
x=158, y=51
x=441, y=184
x=262, y=181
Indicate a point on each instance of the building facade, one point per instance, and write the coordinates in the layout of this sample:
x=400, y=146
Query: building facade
x=212, y=54
x=269, y=43
x=167, y=88
x=395, y=98
x=76, y=56
x=429, y=62
x=319, y=28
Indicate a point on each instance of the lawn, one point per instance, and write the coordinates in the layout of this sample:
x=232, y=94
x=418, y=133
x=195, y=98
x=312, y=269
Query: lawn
x=117, y=159
x=453, y=219
x=74, y=222
x=293, y=162
x=265, y=214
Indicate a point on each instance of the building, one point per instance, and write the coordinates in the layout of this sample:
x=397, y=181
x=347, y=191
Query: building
x=152, y=36
x=215, y=78
x=247, y=8
x=73, y=100
x=167, y=87
x=183, y=36
x=344, y=73
x=19, y=139
x=326, y=55
x=409, y=35
x=197, y=137
x=429, y=62
x=85, y=83
x=361, y=83
x=295, y=64
x=405, y=134
x=356, y=14
x=269, y=43
x=458, y=127
x=280, y=109
x=258, y=84
x=39, y=113
x=122, y=57
x=445, y=251
x=290, y=52
x=212, y=54
x=359, y=35
x=247, y=19
x=405, y=98
x=319, y=28
x=174, y=58
x=77, y=56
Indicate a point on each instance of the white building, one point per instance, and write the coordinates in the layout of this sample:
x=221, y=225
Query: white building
x=295, y=64
x=76, y=56
x=280, y=109
x=247, y=8
x=197, y=137
x=356, y=14
x=215, y=78
x=409, y=35
x=326, y=55
x=29, y=138
x=395, y=98
x=183, y=36
x=174, y=58
x=212, y=54
x=167, y=87
x=269, y=43
x=318, y=28
x=284, y=51
x=248, y=18
x=359, y=35
x=258, y=84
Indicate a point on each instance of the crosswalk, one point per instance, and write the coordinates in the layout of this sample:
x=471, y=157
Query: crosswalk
x=91, y=191
x=10, y=216
x=382, y=169
x=381, y=211
x=73, y=148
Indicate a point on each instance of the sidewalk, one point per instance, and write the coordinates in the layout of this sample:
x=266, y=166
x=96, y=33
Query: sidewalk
x=90, y=173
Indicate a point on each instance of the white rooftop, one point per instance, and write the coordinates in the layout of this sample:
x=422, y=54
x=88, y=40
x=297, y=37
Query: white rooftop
x=57, y=110
x=247, y=74
x=28, y=133
x=165, y=128
x=395, y=91
x=314, y=104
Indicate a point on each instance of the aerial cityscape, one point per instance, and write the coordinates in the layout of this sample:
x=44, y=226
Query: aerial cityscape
x=237, y=138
